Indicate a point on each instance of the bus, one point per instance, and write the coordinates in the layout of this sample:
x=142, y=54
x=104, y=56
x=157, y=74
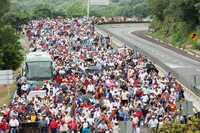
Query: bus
x=38, y=66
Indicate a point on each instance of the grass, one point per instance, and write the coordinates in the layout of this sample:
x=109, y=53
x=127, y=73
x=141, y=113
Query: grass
x=6, y=93
x=186, y=45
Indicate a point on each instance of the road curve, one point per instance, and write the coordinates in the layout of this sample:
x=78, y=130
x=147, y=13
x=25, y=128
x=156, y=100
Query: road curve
x=184, y=68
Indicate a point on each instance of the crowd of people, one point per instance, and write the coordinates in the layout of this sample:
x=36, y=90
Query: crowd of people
x=95, y=86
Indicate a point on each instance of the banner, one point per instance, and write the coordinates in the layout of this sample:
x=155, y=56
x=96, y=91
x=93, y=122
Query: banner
x=39, y=93
x=99, y=2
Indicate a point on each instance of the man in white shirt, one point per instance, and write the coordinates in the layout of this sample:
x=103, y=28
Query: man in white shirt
x=97, y=114
x=25, y=88
x=153, y=124
x=91, y=88
x=14, y=124
x=124, y=97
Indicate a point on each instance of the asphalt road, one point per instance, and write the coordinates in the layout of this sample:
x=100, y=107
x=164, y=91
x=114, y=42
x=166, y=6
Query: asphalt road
x=184, y=68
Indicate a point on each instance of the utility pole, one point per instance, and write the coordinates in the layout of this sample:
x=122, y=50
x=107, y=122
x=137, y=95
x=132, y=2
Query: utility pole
x=88, y=9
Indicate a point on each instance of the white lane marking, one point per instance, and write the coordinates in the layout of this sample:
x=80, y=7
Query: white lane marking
x=174, y=65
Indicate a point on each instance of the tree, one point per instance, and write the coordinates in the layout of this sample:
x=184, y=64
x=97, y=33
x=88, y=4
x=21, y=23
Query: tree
x=4, y=7
x=76, y=9
x=11, y=52
x=157, y=8
x=17, y=18
x=141, y=10
x=43, y=11
x=183, y=10
x=197, y=6
x=175, y=19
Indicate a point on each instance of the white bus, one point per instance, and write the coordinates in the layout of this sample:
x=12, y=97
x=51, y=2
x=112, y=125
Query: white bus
x=38, y=66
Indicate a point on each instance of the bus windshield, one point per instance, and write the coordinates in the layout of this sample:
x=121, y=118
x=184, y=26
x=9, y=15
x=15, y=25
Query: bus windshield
x=39, y=70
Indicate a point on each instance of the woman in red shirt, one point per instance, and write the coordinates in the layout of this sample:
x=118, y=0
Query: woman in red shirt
x=4, y=126
x=54, y=125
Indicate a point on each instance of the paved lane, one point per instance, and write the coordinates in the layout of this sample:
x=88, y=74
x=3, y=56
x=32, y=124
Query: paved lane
x=183, y=67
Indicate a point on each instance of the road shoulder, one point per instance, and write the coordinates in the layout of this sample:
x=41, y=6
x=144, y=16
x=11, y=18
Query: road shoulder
x=143, y=35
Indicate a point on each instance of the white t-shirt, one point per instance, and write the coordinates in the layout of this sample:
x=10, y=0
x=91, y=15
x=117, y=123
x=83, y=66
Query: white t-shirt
x=153, y=123
x=64, y=127
x=90, y=121
x=145, y=98
x=85, y=125
x=91, y=88
x=97, y=114
x=125, y=95
x=14, y=123
x=25, y=87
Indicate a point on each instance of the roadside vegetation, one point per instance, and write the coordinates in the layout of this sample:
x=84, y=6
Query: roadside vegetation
x=176, y=21
x=192, y=126
x=11, y=52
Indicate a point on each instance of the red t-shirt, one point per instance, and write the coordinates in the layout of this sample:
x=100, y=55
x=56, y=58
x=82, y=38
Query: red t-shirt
x=58, y=79
x=138, y=114
x=137, y=83
x=73, y=125
x=139, y=93
x=4, y=126
x=54, y=124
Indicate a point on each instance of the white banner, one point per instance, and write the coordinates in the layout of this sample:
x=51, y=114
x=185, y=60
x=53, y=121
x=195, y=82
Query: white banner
x=99, y=2
x=39, y=93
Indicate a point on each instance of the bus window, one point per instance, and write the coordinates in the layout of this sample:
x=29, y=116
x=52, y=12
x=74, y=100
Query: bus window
x=39, y=70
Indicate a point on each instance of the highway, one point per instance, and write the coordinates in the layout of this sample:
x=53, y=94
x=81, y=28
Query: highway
x=184, y=68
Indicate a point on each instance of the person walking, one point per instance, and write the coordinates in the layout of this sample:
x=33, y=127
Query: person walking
x=54, y=126
x=4, y=126
x=153, y=124
x=14, y=125
x=43, y=124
